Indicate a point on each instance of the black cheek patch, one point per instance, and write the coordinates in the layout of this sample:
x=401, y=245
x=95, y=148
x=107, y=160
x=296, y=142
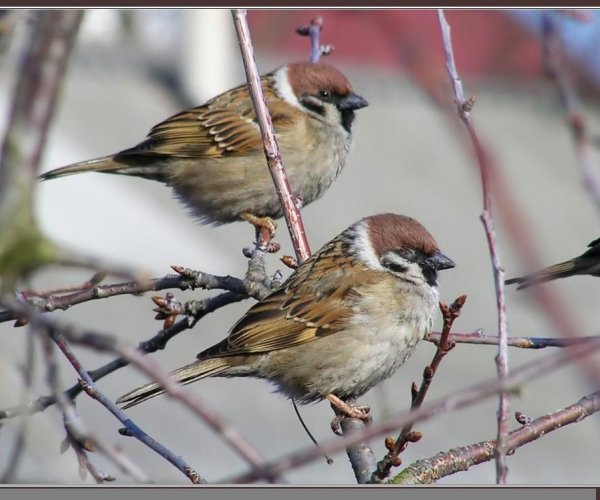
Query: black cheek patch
x=347, y=119
x=430, y=275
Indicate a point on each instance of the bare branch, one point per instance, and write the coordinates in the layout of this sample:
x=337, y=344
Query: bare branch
x=429, y=470
x=313, y=30
x=457, y=400
x=523, y=342
x=111, y=344
x=464, y=107
x=19, y=447
x=554, y=64
x=274, y=161
x=444, y=346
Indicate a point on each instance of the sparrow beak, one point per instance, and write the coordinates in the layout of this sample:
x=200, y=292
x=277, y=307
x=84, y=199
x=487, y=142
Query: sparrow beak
x=439, y=261
x=353, y=101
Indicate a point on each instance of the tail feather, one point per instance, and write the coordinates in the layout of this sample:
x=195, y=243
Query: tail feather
x=104, y=164
x=184, y=375
x=146, y=167
x=562, y=270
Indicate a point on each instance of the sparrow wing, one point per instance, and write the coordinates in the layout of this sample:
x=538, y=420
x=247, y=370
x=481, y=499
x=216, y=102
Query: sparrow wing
x=315, y=301
x=224, y=126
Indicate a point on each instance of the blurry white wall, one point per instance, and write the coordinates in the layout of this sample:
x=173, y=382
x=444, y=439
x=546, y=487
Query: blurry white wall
x=406, y=159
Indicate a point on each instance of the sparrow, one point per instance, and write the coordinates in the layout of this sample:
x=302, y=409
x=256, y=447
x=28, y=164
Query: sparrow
x=587, y=263
x=344, y=321
x=212, y=155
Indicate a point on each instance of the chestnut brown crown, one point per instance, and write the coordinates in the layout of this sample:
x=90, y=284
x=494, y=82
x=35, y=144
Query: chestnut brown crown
x=310, y=78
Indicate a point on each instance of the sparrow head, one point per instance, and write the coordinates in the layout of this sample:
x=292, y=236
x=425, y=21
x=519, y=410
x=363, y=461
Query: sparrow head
x=321, y=90
x=400, y=245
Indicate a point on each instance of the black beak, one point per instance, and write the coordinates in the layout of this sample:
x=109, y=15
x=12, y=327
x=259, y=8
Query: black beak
x=439, y=261
x=353, y=101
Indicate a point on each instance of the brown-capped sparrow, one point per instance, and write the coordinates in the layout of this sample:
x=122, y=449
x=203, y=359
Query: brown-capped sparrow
x=212, y=155
x=587, y=263
x=344, y=321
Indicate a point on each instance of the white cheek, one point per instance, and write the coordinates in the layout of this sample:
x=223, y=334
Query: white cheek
x=362, y=246
x=283, y=87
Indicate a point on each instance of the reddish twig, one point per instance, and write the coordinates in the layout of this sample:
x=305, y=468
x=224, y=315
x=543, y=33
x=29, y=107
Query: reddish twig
x=429, y=470
x=554, y=65
x=444, y=346
x=289, y=203
x=523, y=342
x=464, y=107
x=274, y=161
x=455, y=401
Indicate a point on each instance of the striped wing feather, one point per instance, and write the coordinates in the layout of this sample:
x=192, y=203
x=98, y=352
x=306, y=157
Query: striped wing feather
x=224, y=126
x=315, y=301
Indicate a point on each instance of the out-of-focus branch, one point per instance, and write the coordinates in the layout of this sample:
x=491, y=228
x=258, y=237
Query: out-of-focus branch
x=429, y=470
x=464, y=107
x=523, y=342
x=554, y=65
x=19, y=447
x=257, y=283
x=155, y=343
x=22, y=245
x=274, y=161
x=92, y=390
x=444, y=346
x=455, y=401
x=148, y=366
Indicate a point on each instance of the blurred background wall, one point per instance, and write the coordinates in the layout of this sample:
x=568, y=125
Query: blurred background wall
x=132, y=69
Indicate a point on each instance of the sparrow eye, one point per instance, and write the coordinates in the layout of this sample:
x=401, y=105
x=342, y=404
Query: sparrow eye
x=325, y=94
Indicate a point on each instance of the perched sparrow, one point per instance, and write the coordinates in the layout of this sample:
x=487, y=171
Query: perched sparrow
x=212, y=155
x=345, y=320
x=587, y=263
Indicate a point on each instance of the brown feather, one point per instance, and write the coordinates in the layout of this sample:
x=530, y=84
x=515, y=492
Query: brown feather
x=315, y=301
x=224, y=126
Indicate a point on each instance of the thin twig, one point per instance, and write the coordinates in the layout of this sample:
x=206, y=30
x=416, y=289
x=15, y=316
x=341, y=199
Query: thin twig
x=194, y=310
x=79, y=438
x=186, y=279
x=523, y=342
x=464, y=107
x=554, y=65
x=155, y=343
x=19, y=447
x=431, y=469
x=455, y=401
x=92, y=390
x=148, y=366
x=272, y=153
x=444, y=346
x=313, y=30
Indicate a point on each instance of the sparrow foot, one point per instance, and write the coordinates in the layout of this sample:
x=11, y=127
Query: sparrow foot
x=261, y=224
x=345, y=410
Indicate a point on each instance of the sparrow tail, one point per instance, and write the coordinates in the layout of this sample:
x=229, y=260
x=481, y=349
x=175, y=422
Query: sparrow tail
x=104, y=164
x=562, y=270
x=138, y=166
x=184, y=375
